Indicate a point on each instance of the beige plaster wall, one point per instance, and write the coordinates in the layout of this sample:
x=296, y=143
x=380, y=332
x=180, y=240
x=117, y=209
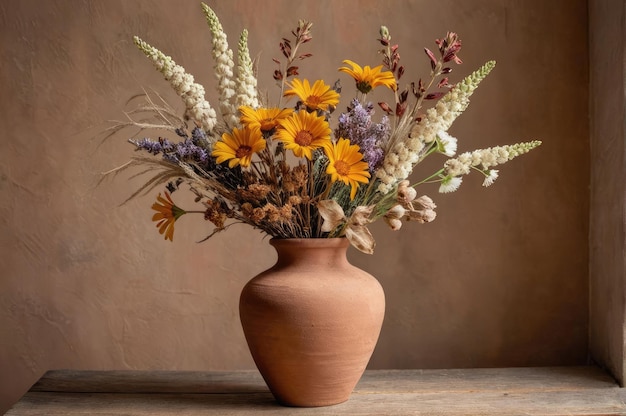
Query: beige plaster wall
x=499, y=279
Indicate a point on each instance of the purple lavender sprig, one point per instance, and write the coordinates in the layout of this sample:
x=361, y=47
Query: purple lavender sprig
x=189, y=150
x=357, y=126
x=154, y=147
x=193, y=152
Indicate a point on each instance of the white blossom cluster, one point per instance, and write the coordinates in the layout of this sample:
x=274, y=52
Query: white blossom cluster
x=405, y=154
x=224, y=68
x=197, y=108
x=246, y=81
x=482, y=160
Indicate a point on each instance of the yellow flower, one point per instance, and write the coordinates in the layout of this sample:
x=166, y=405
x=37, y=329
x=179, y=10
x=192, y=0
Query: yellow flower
x=304, y=132
x=239, y=147
x=346, y=164
x=369, y=78
x=265, y=119
x=318, y=97
x=166, y=214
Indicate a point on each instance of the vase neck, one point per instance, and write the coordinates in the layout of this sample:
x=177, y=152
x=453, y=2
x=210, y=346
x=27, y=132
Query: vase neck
x=311, y=251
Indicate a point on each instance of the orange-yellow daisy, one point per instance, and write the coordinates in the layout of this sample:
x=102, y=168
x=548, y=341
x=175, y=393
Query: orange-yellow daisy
x=346, y=164
x=317, y=97
x=265, y=119
x=303, y=132
x=369, y=78
x=166, y=215
x=239, y=146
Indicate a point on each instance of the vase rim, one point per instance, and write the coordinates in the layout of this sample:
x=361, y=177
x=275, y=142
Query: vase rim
x=311, y=242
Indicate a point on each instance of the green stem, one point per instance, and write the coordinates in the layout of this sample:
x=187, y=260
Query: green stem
x=428, y=180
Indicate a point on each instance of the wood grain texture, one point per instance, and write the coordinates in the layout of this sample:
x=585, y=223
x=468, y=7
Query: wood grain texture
x=510, y=391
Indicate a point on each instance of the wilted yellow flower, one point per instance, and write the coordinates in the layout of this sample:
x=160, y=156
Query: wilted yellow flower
x=166, y=214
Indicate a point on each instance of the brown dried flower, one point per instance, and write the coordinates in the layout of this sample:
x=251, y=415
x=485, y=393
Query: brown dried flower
x=272, y=213
x=254, y=193
x=257, y=215
x=216, y=213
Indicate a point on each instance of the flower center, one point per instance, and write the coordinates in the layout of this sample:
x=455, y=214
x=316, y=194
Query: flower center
x=313, y=101
x=363, y=86
x=342, y=168
x=243, y=151
x=303, y=138
x=267, y=124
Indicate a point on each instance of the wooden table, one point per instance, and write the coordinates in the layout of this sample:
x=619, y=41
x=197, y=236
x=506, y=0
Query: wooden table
x=511, y=391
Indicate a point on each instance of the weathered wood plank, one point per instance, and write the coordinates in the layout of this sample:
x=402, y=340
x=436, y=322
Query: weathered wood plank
x=487, y=379
x=589, y=402
x=542, y=378
x=79, y=381
x=513, y=391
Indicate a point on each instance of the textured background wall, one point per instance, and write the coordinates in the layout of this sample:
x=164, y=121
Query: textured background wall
x=499, y=279
x=607, y=237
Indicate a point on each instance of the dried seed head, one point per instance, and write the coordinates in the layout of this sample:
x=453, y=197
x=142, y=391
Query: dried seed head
x=393, y=223
x=397, y=211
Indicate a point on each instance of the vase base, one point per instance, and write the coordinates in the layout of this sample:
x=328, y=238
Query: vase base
x=313, y=404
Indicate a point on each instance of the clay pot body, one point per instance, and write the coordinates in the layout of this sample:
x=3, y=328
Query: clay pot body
x=312, y=321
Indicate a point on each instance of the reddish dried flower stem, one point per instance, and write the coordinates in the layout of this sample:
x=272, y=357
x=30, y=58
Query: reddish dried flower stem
x=302, y=35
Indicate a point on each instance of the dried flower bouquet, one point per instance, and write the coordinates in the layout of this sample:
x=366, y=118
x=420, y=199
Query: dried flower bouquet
x=283, y=169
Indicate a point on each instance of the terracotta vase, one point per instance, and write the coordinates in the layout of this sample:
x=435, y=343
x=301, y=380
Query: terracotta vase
x=312, y=321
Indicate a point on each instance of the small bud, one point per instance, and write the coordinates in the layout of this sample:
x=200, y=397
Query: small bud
x=426, y=202
x=393, y=223
x=422, y=216
x=384, y=33
x=433, y=60
x=406, y=195
x=414, y=90
x=400, y=71
x=404, y=95
x=385, y=107
x=397, y=211
x=337, y=86
x=434, y=95
x=401, y=108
